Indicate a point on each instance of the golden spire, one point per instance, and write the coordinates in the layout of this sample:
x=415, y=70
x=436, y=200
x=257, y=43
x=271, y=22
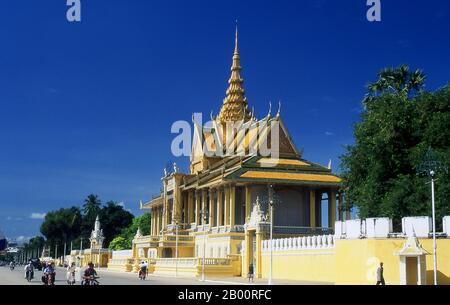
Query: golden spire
x=235, y=106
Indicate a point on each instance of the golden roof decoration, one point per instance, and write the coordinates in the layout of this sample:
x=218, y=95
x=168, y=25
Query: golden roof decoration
x=235, y=106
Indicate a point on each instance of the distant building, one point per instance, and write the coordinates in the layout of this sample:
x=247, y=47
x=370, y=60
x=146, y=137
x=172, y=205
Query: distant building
x=3, y=242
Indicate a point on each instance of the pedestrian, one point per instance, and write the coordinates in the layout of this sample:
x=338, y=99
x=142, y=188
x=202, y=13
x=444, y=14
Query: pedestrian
x=251, y=273
x=380, y=275
x=70, y=275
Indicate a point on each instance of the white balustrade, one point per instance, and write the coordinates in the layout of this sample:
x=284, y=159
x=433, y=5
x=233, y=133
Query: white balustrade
x=299, y=243
x=330, y=241
x=325, y=243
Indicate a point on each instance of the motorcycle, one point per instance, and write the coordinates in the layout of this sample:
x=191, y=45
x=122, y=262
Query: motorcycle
x=142, y=275
x=90, y=281
x=71, y=278
x=49, y=279
x=29, y=276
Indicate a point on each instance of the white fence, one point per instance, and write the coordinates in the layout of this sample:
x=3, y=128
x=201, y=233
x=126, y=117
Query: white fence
x=382, y=228
x=300, y=243
x=123, y=254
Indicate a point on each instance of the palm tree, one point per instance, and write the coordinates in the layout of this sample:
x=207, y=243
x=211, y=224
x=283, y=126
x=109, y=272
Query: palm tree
x=397, y=81
x=91, y=205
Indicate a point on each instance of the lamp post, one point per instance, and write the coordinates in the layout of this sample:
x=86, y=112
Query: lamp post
x=271, y=231
x=64, y=255
x=429, y=167
x=81, y=248
x=176, y=248
x=204, y=214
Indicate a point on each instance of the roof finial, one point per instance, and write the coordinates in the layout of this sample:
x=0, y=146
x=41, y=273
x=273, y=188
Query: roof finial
x=236, y=44
x=279, y=109
x=269, y=115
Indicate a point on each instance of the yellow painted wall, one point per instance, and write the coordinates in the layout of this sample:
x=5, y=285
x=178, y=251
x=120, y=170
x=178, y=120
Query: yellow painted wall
x=357, y=260
x=354, y=262
x=306, y=265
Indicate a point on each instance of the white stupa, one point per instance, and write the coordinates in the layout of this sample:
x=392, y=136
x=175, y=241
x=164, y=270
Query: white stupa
x=97, y=237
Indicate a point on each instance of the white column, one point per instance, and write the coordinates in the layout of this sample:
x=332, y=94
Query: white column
x=419, y=272
x=402, y=270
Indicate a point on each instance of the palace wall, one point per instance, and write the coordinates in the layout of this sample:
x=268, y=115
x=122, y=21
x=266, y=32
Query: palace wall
x=353, y=254
x=353, y=262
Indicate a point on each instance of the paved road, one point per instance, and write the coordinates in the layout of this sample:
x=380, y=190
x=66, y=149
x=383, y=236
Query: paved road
x=16, y=277
x=107, y=277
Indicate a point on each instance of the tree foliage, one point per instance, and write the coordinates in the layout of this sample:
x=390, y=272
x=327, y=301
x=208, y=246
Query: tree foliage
x=62, y=225
x=142, y=222
x=91, y=209
x=34, y=246
x=399, y=123
x=114, y=219
x=73, y=226
x=119, y=243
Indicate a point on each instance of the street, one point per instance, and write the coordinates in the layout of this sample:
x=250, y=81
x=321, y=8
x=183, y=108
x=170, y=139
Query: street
x=107, y=277
x=16, y=277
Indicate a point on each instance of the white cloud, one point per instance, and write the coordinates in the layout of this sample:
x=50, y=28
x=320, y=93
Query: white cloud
x=22, y=239
x=329, y=133
x=37, y=215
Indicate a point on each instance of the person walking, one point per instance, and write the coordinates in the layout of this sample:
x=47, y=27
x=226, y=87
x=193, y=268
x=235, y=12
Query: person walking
x=251, y=275
x=380, y=275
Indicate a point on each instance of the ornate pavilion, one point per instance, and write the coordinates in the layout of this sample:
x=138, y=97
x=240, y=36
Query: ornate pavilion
x=206, y=212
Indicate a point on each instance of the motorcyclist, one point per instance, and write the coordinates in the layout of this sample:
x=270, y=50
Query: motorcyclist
x=89, y=274
x=49, y=274
x=71, y=274
x=29, y=271
x=12, y=265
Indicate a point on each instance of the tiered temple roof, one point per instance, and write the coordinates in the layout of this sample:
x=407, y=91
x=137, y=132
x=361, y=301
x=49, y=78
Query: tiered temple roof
x=244, y=165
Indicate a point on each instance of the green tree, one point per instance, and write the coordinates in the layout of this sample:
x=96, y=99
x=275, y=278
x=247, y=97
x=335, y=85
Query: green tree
x=91, y=209
x=399, y=123
x=34, y=246
x=114, y=219
x=61, y=226
x=119, y=243
x=92, y=205
x=399, y=81
x=142, y=222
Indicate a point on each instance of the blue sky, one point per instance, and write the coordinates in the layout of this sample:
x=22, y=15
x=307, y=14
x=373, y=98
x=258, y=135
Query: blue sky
x=87, y=107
